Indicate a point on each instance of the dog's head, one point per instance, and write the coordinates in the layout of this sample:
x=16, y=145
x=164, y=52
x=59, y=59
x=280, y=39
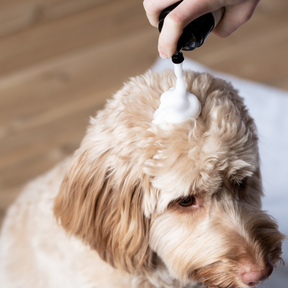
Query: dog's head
x=189, y=195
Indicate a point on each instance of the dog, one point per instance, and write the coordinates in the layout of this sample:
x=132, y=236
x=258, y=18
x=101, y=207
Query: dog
x=142, y=206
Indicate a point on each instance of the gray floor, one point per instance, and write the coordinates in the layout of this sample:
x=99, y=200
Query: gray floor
x=279, y=279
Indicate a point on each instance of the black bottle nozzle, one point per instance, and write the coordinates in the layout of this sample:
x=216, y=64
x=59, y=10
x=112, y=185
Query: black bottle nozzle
x=178, y=58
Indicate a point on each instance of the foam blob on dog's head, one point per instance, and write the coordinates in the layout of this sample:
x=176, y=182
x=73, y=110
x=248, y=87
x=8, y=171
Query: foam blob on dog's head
x=177, y=105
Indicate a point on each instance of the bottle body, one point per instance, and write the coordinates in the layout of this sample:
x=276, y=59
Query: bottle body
x=196, y=32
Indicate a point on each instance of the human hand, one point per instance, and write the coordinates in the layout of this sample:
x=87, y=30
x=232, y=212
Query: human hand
x=237, y=12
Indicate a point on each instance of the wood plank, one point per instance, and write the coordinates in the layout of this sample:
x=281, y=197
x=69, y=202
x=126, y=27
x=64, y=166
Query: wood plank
x=62, y=124
x=52, y=82
x=53, y=9
x=51, y=39
x=17, y=15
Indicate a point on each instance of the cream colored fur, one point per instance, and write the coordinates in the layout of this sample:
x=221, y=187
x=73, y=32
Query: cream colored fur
x=118, y=215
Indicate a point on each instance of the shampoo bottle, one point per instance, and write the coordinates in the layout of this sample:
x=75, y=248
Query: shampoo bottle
x=195, y=33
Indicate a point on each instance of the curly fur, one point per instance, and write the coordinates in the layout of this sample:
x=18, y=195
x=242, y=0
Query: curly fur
x=120, y=197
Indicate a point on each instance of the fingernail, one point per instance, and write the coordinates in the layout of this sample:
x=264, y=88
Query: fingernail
x=163, y=55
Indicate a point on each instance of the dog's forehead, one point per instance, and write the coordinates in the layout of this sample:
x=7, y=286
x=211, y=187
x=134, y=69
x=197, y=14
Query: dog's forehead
x=188, y=157
x=181, y=167
x=196, y=159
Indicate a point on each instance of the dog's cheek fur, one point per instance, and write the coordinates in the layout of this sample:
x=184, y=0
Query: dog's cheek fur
x=233, y=236
x=105, y=212
x=178, y=240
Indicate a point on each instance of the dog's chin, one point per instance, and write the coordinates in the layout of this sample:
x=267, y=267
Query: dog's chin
x=217, y=276
x=213, y=276
x=224, y=275
x=220, y=277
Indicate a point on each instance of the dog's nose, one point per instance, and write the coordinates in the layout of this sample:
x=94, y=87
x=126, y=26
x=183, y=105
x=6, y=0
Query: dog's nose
x=254, y=274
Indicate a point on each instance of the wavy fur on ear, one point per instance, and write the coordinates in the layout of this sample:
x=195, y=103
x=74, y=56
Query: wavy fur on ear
x=102, y=199
x=105, y=211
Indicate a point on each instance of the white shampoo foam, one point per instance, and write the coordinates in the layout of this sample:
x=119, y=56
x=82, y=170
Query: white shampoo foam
x=177, y=105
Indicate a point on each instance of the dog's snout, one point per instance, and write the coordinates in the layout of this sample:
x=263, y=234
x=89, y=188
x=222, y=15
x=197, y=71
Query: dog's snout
x=253, y=274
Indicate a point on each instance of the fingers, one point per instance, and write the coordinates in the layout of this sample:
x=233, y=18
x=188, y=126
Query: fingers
x=177, y=20
x=234, y=17
x=153, y=9
x=237, y=12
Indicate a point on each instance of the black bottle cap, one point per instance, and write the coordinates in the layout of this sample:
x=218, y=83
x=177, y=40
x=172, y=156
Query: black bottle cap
x=177, y=58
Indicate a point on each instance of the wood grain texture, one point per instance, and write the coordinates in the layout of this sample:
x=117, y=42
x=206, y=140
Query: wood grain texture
x=257, y=50
x=17, y=15
x=61, y=59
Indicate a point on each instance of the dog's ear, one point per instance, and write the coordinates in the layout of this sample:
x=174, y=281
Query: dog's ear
x=102, y=205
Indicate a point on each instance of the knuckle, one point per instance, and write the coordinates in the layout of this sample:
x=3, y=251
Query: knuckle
x=244, y=17
x=175, y=20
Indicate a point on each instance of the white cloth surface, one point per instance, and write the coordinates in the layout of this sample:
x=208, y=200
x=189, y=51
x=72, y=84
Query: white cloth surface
x=269, y=108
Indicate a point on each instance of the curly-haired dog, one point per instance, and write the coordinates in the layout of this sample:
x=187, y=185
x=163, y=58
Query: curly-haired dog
x=141, y=206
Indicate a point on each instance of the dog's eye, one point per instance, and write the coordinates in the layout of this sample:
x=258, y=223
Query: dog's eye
x=187, y=201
